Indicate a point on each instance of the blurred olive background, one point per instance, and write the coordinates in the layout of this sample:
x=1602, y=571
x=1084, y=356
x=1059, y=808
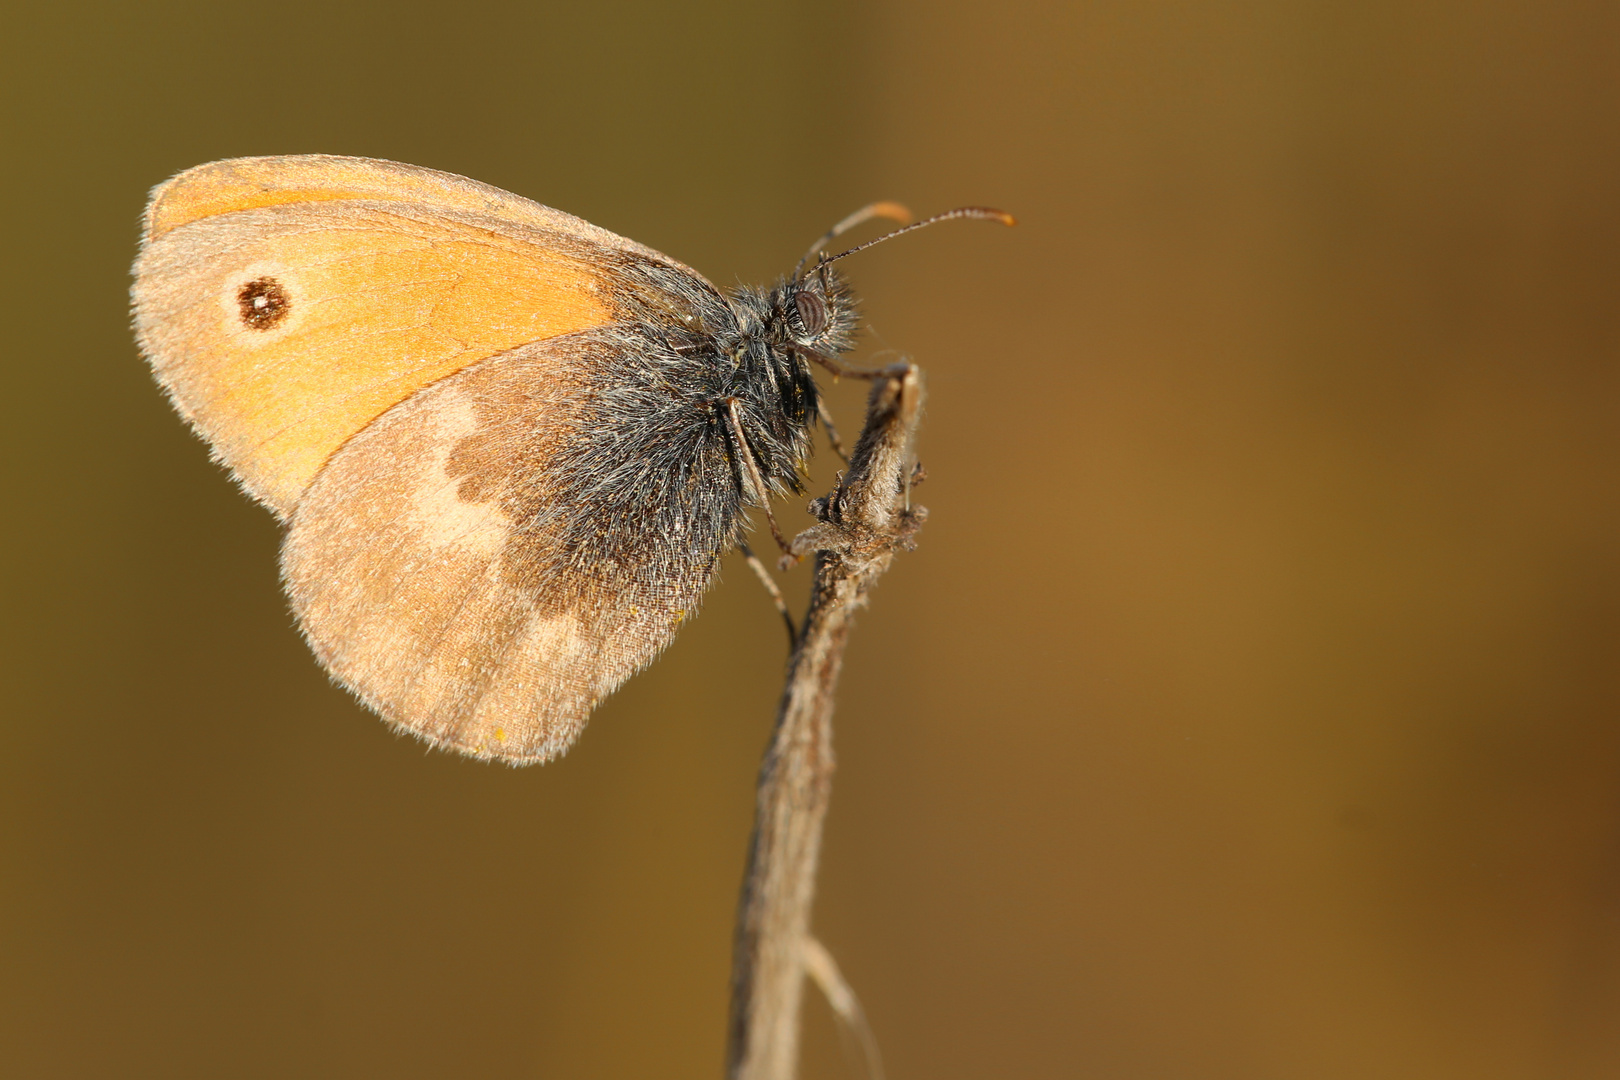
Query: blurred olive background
x=1248, y=710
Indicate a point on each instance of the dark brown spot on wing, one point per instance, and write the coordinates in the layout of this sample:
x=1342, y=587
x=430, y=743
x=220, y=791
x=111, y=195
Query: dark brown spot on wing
x=263, y=303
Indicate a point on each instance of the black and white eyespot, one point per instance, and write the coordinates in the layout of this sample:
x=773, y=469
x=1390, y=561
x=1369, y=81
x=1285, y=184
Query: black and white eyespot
x=812, y=311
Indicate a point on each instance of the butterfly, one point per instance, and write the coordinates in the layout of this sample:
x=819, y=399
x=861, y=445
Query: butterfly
x=509, y=447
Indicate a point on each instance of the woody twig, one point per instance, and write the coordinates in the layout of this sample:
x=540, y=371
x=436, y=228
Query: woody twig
x=860, y=526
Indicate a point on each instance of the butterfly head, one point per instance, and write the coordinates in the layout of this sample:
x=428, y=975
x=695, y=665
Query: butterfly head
x=783, y=330
x=814, y=315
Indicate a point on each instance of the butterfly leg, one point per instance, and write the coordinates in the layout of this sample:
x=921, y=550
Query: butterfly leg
x=745, y=455
x=839, y=370
x=771, y=587
x=832, y=430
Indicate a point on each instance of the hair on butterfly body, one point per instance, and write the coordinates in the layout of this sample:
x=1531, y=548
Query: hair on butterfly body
x=683, y=412
x=510, y=447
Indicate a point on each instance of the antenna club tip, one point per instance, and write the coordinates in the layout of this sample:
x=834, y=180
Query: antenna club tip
x=988, y=213
x=894, y=211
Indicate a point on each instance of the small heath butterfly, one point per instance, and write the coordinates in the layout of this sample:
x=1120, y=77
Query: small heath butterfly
x=509, y=447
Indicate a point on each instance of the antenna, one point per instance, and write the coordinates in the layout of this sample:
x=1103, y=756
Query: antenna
x=982, y=213
x=892, y=210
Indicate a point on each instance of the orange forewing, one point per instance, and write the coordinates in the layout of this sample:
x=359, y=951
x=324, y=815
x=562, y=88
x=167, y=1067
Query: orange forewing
x=387, y=295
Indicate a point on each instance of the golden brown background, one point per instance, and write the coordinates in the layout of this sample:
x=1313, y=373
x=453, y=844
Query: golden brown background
x=1248, y=711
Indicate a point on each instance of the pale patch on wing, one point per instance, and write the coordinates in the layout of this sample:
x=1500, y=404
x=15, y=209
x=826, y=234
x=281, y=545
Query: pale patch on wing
x=436, y=510
x=547, y=649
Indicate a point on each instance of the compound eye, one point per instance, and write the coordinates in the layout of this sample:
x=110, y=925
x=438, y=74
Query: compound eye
x=812, y=312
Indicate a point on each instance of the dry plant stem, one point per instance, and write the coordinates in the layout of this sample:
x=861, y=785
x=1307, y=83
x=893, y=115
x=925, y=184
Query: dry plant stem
x=861, y=525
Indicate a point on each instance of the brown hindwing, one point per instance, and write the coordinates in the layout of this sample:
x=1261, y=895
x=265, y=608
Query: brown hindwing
x=499, y=551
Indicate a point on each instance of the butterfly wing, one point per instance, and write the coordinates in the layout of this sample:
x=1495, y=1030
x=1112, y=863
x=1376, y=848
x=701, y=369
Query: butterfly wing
x=483, y=581
x=504, y=492
x=285, y=302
